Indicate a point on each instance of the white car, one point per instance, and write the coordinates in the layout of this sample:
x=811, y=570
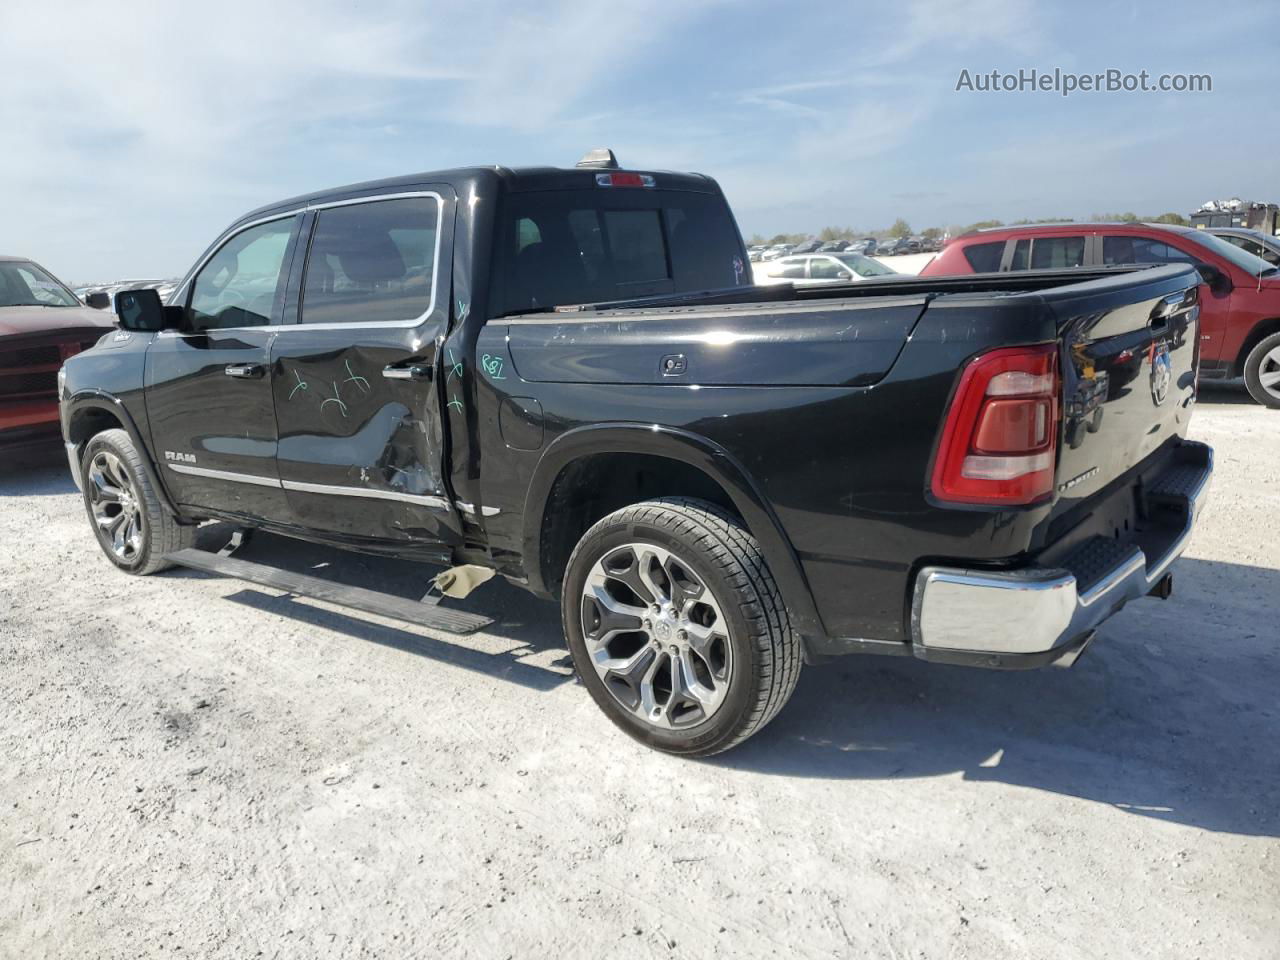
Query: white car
x=811, y=269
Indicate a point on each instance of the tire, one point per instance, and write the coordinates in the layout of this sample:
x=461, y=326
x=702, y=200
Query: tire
x=131, y=525
x=1262, y=372
x=716, y=654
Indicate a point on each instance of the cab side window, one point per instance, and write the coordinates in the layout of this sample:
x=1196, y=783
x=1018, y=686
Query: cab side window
x=1128, y=249
x=827, y=268
x=241, y=284
x=372, y=262
x=789, y=268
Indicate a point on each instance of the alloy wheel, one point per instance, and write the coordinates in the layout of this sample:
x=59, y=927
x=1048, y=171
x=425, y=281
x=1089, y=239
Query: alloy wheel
x=656, y=636
x=113, y=500
x=1269, y=372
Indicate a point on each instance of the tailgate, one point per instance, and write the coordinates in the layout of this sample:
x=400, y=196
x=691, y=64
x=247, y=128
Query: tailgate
x=1128, y=374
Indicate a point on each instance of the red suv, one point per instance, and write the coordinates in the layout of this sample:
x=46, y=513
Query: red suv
x=1240, y=311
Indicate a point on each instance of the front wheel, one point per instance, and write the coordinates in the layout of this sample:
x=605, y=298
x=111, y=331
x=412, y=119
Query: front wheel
x=677, y=628
x=1262, y=372
x=132, y=526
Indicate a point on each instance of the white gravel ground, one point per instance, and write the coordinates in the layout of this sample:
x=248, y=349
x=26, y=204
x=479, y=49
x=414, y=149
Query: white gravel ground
x=195, y=766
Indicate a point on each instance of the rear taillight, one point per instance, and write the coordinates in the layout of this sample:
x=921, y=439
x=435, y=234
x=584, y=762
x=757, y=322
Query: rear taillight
x=1001, y=433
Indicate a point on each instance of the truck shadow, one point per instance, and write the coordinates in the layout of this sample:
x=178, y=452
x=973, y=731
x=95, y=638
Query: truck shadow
x=1224, y=393
x=524, y=645
x=1171, y=714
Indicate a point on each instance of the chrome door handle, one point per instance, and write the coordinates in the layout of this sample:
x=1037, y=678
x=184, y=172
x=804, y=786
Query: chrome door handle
x=244, y=371
x=412, y=372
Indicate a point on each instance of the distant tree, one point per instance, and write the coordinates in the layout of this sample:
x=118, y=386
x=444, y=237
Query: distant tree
x=1129, y=217
x=836, y=233
x=956, y=230
x=900, y=228
x=931, y=233
x=1018, y=223
x=1177, y=218
x=756, y=240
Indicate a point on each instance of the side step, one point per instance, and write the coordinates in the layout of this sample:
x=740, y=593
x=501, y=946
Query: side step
x=370, y=601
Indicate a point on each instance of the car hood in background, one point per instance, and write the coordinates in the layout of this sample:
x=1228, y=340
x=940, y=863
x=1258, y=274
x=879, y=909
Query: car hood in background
x=33, y=321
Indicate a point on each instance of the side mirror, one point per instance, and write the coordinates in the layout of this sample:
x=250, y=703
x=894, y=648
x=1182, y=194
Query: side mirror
x=143, y=311
x=99, y=300
x=1217, y=280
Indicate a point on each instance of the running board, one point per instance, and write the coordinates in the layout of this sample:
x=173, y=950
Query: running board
x=357, y=598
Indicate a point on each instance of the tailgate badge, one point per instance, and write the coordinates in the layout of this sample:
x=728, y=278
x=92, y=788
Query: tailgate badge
x=1161, y=372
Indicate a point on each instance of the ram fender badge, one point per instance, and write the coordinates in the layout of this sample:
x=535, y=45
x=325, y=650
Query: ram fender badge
x=180, y=457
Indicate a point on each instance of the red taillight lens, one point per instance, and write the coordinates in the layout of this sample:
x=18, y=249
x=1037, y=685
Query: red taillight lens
x=1000, y=438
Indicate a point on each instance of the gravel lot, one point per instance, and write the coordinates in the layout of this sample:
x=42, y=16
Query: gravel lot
x=196, y=765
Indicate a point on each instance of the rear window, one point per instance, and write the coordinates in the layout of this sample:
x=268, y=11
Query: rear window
x=587, y=246
x=984, y=257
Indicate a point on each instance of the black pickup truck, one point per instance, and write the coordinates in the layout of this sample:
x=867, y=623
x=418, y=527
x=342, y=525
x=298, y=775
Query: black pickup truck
x=565, y=376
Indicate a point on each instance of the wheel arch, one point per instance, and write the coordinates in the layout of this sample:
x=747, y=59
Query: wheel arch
x=89, y=413
x=1261, y=330
x=695, y=465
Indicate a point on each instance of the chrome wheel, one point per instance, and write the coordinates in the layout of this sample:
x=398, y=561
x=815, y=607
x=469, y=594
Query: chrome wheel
x=1269, y=372
x=656, y=636
x=114, y=503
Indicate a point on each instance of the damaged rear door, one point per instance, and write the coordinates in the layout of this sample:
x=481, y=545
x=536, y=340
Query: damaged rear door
x=360, y=452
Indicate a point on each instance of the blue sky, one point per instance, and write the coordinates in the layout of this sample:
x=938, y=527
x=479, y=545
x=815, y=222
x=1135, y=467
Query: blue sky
x=135, y=131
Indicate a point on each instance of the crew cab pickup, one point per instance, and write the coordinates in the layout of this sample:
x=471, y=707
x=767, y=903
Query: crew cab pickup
x=565, y=377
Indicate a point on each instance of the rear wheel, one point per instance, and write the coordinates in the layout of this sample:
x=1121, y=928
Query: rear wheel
x=676, y=626
x=1262, y=371
x=132, y=526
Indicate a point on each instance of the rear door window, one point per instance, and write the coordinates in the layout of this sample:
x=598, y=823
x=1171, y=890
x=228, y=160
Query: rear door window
x=788, y=268
x=372, y=262
x=985, y=257
x=1055, y=253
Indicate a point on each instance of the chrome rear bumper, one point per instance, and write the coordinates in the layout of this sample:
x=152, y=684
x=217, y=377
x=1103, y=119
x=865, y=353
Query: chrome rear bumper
x=1037, y=615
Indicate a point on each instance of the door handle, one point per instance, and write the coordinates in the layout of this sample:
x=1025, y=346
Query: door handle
x=411, y=372
x=245, y=371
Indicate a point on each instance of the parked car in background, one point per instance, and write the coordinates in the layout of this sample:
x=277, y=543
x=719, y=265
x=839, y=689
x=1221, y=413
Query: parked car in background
x=821, y=268
x=832, y=246
x=1240, y=312
x=891, y=246
x=778, y=250
x=806, y=246
x=1251, y=241
x=42, y=323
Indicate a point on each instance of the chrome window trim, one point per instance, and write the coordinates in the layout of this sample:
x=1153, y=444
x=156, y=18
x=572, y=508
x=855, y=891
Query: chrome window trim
x=180, y=291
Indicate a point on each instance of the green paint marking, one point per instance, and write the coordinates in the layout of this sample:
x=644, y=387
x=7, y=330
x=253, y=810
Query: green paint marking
x=455, y=402
x=359, y=381
x=455, y=369
x=493, y=367
x=336, y=398
x=302, y=385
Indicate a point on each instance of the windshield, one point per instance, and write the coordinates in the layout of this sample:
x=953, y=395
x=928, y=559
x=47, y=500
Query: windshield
x=864, y=266
x=23, y=284
x=1229, y=251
